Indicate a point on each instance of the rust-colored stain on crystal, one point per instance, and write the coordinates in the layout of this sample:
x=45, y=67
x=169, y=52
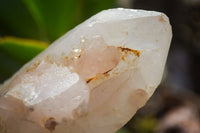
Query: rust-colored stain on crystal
x=130, y=51
x=90, y=79
x=161, y=19
x=99, y=76
x=107, y=72
x=123, y=58
x=50, y=124
x=35, y=65
x=66, y=57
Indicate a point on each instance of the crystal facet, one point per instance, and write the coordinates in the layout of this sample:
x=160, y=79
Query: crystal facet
x=91, y=80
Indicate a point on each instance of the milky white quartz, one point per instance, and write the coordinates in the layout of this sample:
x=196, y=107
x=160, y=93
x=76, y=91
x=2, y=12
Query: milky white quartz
x=91, y=80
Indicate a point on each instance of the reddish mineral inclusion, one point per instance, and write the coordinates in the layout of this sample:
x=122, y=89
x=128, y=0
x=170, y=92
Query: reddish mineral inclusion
x=97, y=58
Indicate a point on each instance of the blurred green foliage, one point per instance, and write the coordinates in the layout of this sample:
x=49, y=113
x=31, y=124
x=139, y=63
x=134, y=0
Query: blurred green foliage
x=46, y=19
x=21, y=50
x=42, y=20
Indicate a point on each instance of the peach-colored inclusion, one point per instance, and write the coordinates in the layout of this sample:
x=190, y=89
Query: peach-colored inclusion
x=97, y=58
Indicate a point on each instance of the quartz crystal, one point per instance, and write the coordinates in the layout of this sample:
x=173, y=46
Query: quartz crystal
x=91, y=80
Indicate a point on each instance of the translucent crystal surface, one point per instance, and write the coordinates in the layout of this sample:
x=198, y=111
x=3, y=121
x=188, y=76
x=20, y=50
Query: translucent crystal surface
x=91, y=80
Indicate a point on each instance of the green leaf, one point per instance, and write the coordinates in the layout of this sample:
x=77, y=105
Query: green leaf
x=91, y=7
x=54, y=17
x=57, y=17
x=21, y=50
x=46, y=20
x=15, y=20
x=7, y=67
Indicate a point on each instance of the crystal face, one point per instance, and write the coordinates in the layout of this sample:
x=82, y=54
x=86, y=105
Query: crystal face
x=91, y=80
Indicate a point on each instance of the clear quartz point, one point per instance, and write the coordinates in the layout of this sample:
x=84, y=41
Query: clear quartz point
x=91, y=80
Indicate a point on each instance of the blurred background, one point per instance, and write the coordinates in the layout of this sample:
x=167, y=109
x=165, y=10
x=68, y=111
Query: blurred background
x=27, y=27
